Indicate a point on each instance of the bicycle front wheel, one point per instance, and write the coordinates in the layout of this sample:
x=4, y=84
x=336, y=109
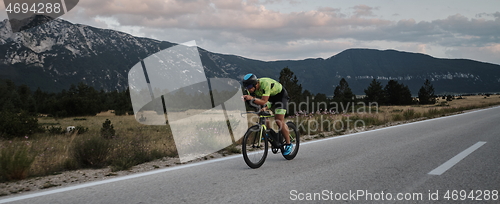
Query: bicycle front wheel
x=254, y=148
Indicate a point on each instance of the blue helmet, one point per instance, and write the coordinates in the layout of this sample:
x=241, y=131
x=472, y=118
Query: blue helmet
x=249, y=81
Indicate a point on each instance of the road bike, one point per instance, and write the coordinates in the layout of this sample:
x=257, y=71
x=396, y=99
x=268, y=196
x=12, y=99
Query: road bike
x=256, y=141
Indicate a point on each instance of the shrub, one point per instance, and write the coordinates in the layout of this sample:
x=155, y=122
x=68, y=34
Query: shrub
x=17, y=124
x=107, y=130
x=56, y=130
x=15, y=163
x=129, y=153
x=443, y=103
x=371, y=120
x=410, y=114
x=91, y=152
x=397, y=117
x=81, y=129
x=123, y=159
x=431, y=113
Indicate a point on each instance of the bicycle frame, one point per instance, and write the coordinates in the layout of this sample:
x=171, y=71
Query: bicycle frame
x=275, y=141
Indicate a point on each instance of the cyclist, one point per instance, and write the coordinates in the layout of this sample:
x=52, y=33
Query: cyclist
x=269, y=90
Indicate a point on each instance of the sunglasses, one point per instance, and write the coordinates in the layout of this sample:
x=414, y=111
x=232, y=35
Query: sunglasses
x=250, y=86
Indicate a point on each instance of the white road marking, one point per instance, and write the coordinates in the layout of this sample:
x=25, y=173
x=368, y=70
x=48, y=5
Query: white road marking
x=450, y=163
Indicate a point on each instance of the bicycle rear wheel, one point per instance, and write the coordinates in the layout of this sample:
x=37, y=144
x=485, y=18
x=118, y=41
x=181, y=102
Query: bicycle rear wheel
x=253, y=148
x=294, y=139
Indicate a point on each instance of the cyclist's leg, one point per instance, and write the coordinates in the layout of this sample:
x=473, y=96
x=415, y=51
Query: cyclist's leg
x=283, y=127
x=281, y=104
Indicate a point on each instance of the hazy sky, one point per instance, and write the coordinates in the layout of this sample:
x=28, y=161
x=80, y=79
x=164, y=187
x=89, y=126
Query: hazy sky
x=299, y=29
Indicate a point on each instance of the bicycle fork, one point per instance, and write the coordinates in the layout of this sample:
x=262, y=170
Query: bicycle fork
x=259, y=139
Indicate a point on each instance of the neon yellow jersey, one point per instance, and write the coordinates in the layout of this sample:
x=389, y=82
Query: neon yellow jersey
x=268, y=87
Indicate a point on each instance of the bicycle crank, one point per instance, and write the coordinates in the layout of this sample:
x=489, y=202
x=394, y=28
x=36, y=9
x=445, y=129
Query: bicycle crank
x=275, y=150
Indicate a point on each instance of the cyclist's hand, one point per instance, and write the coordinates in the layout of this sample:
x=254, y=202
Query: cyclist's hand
x=247, y=97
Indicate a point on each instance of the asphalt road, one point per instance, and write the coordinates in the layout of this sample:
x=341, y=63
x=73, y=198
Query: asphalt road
x=391, y=165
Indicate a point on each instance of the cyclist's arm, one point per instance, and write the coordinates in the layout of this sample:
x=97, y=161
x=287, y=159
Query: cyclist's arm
x=259, y=101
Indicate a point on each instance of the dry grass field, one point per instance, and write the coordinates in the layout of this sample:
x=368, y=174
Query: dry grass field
x=465, y=101
x=54, y=152
x=442, y=107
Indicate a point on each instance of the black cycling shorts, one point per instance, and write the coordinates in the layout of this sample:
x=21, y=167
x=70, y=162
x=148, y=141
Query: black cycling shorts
x=279, y=102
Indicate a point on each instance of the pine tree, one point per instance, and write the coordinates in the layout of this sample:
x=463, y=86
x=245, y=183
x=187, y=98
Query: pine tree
x=375, y=92
x=306, y=97
x=290, y=82
x=343, y=94
x=397, y=94
x=426, y=93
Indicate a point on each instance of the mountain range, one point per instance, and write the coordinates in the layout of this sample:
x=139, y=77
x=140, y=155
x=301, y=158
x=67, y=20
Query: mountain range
x=58, y=53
